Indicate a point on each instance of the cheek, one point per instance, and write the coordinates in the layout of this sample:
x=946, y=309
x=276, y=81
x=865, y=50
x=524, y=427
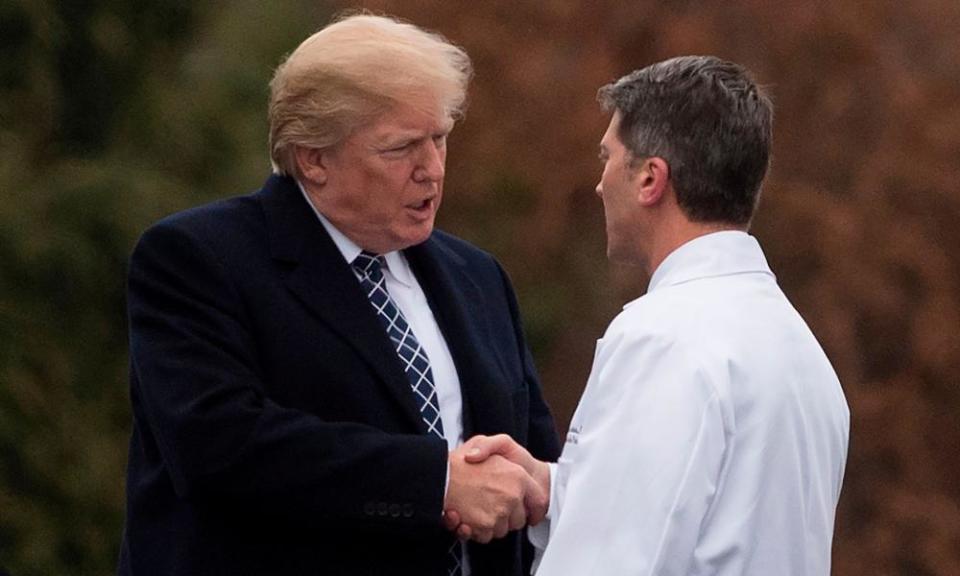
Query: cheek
x=385, y=190
x=608, y=180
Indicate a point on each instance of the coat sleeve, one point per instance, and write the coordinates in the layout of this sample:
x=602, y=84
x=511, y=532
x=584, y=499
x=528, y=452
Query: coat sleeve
x=197, y=391
x=640, y=467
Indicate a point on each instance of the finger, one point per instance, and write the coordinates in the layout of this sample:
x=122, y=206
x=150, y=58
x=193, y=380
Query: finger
x=518, y=517
x=451, y=519
x=501, y=528
x=464, y=532
x=483, y=536
x=535, y=514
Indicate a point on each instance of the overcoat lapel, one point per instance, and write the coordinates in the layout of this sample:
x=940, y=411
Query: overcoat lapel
x=456, y=302
x=315, y=272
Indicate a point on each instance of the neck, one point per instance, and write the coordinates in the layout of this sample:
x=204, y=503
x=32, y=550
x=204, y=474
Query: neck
x=674, y=234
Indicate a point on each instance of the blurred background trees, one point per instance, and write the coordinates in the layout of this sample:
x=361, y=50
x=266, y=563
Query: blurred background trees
x=114, y=113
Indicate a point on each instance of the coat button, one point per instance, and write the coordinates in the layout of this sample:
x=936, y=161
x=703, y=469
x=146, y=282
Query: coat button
x=408, y=510
x=382, y=508
x=369, y=508
x=395, y=510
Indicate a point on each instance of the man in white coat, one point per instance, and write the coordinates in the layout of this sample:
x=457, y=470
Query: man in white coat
x=712, y=434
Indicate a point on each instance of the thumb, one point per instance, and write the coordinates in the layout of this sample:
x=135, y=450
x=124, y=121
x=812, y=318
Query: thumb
x=479, y=448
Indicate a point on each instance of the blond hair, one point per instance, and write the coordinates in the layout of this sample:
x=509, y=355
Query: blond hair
x=352, y=71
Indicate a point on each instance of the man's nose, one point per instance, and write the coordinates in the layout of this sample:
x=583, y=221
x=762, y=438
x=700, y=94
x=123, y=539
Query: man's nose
x=431, y=167
x=599, y=190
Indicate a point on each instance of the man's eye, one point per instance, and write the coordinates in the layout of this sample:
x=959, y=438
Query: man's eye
x=399, y=148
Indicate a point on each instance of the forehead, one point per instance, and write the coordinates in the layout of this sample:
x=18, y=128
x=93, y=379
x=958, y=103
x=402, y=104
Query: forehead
x=406, y=120
x=611, y=138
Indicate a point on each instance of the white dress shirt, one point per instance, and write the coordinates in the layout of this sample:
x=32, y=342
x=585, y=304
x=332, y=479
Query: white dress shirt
x=712, y=434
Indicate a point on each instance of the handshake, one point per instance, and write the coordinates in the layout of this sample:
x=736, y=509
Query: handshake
x=495, y=486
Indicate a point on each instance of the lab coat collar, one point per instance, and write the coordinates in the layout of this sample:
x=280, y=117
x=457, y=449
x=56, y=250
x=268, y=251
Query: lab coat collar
x=716, y=254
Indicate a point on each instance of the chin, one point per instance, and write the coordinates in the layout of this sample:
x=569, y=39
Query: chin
x=415, y=237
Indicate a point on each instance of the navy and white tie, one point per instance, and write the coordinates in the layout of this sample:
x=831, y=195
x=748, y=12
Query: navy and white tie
x=416, y=364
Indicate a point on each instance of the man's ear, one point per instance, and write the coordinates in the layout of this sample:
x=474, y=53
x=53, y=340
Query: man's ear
x=310, y=162
x=653, y=177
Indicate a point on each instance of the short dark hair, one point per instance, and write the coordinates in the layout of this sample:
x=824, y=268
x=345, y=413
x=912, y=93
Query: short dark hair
x=709, y=121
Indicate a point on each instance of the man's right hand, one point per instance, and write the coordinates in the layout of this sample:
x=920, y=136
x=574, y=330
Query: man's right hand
x=479, y=448
x=492, y=496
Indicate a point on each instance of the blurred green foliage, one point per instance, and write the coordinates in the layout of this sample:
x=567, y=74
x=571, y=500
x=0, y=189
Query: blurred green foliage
x=112, y=114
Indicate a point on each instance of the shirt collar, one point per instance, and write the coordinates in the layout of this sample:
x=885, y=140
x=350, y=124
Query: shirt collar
x=396, y=264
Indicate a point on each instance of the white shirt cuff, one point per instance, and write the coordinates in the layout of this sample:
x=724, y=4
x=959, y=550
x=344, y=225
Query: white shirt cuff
x=539, y=535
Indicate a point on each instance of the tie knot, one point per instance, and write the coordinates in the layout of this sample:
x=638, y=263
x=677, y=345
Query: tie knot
x=368, y=263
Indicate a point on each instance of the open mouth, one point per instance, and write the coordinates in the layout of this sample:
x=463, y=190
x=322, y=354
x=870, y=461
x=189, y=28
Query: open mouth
x=423, y=207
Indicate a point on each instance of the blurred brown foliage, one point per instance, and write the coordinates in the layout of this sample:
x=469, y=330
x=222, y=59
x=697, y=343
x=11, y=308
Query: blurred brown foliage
x=858, y=217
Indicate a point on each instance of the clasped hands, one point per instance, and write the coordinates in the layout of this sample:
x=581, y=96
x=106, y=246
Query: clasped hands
x=495, y=486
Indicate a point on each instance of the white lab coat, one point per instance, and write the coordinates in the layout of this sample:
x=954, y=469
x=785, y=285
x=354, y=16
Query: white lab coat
x=712, y=434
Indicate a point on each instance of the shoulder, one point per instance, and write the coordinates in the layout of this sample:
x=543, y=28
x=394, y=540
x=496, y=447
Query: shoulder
x=226, y=238
x=643, y=364
x=666, y=316
x=671, y=332
x=222, y=226
x=208, y=221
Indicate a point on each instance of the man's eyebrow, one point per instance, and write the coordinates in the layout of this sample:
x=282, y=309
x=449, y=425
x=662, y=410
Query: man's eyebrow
x=399, y=138
x=405, y=135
